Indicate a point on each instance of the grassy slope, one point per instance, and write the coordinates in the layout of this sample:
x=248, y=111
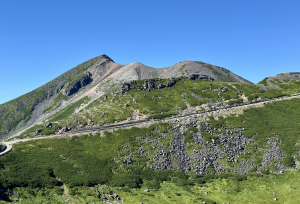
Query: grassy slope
x=277, y=120
x=20, y=109
x=160, y=103
x=262, y=189
x=55, y=102
x=88, y=160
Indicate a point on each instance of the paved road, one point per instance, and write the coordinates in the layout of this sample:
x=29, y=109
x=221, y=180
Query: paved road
x=135, y=123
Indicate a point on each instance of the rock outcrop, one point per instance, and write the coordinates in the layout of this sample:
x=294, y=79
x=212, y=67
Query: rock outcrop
x=82, y=82
x=158, y=83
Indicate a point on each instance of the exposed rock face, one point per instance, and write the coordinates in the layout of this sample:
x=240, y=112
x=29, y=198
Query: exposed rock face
x=85, y=80
x=125, y=87
x=150, y=84
x=20, y=106
x=33, y=103
x=90, y=74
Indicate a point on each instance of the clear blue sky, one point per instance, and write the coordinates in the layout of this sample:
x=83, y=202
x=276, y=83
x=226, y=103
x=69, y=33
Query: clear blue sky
x=39, y=40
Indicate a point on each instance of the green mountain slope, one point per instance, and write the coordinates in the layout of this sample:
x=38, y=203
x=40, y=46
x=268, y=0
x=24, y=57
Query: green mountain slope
x=34, y=107
x=14, y=114
x=139, y=158
x=219, y=155
x=158, y=98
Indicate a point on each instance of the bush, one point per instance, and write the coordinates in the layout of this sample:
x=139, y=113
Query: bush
x=188, y=137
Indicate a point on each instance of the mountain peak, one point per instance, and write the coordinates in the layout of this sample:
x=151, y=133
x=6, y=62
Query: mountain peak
x=105, y=57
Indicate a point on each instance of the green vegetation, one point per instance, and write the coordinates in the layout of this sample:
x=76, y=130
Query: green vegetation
x=19, y=109
x=67, y=111
x=83, y=169
x=228, y=188
x=264, y=81
x=56, y=169
x=188, y=137
x=55, y=102
x=15, y=113
x=163, y=115
x=162, y=103
x=276, y=120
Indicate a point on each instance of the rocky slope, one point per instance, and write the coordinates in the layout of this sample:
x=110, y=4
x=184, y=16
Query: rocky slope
x=92, y=79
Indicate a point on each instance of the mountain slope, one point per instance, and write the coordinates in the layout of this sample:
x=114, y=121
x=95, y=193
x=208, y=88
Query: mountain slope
x=138, y=71
x=91, y=79
x=228, y=152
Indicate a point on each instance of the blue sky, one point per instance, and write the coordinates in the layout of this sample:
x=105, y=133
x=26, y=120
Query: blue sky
x=39, y=40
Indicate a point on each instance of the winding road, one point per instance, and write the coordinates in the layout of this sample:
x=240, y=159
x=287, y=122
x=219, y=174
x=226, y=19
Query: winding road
x=9, y=144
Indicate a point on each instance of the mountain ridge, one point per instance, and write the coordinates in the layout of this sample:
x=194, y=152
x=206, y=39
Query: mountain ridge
x=27, y=110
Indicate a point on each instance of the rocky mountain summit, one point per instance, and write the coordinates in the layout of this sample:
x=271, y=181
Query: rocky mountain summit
x=92, y=79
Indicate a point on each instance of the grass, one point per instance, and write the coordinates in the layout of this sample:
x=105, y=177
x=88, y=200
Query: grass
x=55, y=102
x=276, y=120
x=79, y=162
x=19, y=110
x=69, y=110
x=285, y=188
x=57, y=170
x=166, y=102
x=15, y=113
x=264, y=81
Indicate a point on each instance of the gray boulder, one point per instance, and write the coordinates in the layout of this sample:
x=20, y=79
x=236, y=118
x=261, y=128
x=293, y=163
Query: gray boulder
x=194, y=77
x=65, y=129
x=48, y=125
x=38, y=130
x=159, y=86
x=125, y=88
x=170, y=83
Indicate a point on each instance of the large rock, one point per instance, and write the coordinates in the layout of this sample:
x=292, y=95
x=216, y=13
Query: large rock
x=65, y=129
x=194, y=77
x=170, y=83
x=160, y=86
x=151, y=84
x=48, y=125
x=145, y=86
x=125, y=88
x=39, y=130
